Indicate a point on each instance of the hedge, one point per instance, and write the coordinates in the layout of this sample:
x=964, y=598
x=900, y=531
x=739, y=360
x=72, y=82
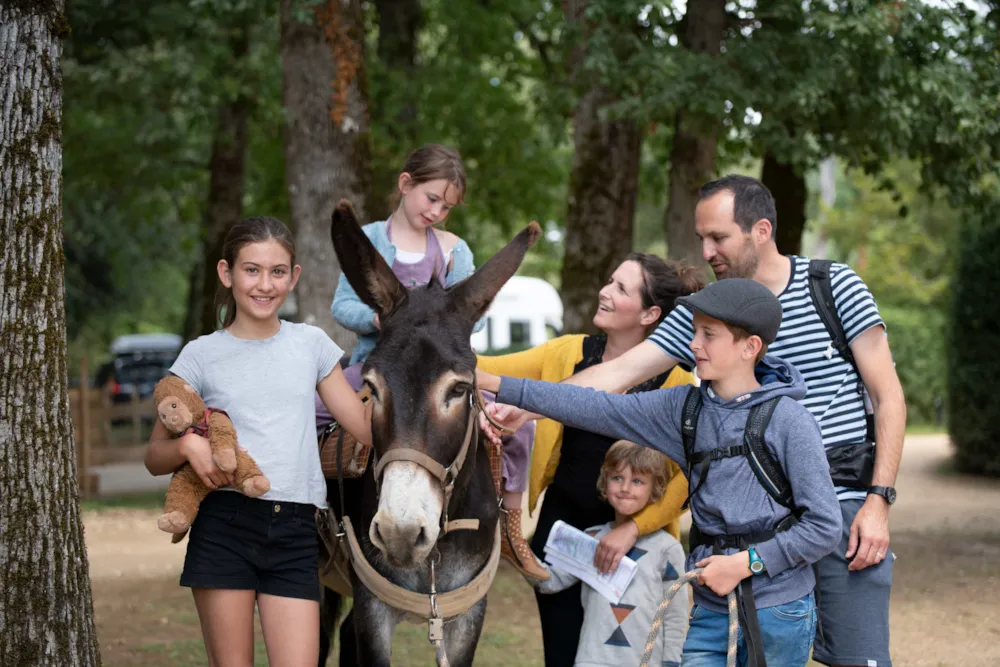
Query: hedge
x=917, y=340
x=974, y=351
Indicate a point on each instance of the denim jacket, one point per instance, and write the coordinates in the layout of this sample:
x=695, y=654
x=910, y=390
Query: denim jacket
x=351, y=312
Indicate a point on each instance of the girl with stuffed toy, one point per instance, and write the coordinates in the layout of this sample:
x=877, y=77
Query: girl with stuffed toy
x=263, y=372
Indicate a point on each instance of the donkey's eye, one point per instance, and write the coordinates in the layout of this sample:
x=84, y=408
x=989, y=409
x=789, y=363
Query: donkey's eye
x=459, y=390
x=371, y=388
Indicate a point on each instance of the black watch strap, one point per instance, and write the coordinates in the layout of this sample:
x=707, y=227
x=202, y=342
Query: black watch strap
x=887, y=492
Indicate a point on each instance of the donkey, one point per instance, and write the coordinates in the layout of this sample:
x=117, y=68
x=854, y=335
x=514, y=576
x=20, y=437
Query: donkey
x=422, y=378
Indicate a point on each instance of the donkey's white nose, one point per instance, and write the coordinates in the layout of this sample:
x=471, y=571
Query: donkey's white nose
x=401, y=541
x=406, y=525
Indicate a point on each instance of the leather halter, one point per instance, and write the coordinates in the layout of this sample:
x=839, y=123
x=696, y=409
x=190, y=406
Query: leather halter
x=428, y=606
x=445, y=476
x=435, y=607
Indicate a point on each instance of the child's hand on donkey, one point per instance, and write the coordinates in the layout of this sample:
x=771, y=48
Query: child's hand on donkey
x=507, y=416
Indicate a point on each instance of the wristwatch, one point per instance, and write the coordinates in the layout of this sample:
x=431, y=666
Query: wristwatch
x=756, y=564
x=887, y=492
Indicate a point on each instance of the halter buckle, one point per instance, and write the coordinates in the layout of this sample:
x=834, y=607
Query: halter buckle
x=435, y=629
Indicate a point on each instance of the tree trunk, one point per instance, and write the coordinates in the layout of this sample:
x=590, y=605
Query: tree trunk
x=192, y=315
x=394, y=108
x=327, y=153
x=784, y=179
x=224, y=208
x=225, y=196
x=603, y=188
x=789, y=189
x=692, y=153
x=46, y=611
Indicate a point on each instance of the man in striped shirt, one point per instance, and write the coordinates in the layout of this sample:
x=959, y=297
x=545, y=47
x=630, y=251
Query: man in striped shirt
x=735, y=220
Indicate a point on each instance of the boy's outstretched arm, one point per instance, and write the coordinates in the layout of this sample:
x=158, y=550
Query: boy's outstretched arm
x=644, y=361
x=649, y=418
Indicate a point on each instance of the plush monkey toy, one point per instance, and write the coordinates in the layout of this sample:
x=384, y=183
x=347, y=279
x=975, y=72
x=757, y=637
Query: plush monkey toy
x=181, y=411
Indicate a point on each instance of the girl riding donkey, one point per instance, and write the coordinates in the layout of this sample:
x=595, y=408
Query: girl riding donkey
x=431, y=184
x=263, y=372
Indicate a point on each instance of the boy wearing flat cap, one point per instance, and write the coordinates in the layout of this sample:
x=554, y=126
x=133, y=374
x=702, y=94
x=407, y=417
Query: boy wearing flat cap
x=762, y=502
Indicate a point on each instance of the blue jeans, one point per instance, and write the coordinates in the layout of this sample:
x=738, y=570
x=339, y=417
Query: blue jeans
x=787, y=631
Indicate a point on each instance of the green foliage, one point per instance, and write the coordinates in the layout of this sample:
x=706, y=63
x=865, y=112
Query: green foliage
x=918, y=341
x=141, y=94
x=475, y=87
x=898, y=238
x=871, y=81
x=974, y=338
x=906, y=90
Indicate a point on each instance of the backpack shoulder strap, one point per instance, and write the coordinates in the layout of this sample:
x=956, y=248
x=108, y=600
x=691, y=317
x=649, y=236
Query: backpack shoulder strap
x=821, y=292
x=689, y=431
x=767, y=470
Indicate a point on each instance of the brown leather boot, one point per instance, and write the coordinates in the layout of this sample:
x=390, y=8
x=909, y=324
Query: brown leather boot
x=514, y=548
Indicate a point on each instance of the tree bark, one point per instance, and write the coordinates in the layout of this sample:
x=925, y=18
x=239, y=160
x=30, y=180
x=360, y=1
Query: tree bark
x=327, y=153
x=394, y=107
x=46, y=611
x=788, y=187
x=603, y=188
x=692, y=154
x=224, y=208
x=227, y=171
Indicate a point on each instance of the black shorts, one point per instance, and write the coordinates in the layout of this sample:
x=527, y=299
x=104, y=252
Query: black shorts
x=252, y=544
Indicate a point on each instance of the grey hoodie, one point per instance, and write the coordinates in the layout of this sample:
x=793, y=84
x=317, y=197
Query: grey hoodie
x=731, y=501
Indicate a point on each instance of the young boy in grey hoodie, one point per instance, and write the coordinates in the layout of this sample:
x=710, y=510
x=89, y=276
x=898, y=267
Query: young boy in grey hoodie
x=741, y=534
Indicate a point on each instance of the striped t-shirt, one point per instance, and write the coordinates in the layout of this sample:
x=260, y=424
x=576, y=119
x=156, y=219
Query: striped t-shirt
x=803, y=341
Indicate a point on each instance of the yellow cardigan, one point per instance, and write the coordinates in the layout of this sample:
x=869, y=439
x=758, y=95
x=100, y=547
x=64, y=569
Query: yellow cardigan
x=554, y=361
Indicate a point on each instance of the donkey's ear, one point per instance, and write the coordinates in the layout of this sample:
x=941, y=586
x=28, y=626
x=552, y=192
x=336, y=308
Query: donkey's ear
x=365, y=269
x=474, y=295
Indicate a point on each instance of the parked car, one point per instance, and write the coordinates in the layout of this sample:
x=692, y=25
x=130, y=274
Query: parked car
x=138, y=363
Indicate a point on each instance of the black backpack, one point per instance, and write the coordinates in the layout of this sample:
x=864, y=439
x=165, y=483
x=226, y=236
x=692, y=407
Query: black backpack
x=821, y=293
x=851, y=466
x=767, y=470
x=770, y=475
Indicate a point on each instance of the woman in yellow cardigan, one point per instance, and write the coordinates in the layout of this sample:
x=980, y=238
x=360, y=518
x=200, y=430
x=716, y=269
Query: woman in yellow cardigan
x=635, y=299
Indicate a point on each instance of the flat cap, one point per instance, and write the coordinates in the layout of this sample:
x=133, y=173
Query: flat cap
x=741, y=302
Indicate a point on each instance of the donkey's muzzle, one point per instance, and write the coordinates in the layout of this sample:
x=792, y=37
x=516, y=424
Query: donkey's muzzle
x=407, y=523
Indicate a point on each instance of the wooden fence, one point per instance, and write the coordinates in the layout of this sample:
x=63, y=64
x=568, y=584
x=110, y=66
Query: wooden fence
x=105, y=431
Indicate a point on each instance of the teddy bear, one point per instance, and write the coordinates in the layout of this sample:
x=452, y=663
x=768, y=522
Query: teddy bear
x=181, y=410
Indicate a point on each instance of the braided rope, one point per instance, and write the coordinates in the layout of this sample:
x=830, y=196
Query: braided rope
x=439, y=653
x=654, y=630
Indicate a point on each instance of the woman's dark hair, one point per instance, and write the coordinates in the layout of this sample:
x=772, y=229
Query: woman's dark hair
x=429, y=163
x=252, y=230
x=664, y=281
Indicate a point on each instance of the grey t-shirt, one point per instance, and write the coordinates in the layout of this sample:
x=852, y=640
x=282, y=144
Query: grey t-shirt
x=267, y=388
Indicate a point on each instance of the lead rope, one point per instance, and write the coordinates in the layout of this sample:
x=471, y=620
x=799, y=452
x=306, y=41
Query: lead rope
x=435, y=624
x=654, y=630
